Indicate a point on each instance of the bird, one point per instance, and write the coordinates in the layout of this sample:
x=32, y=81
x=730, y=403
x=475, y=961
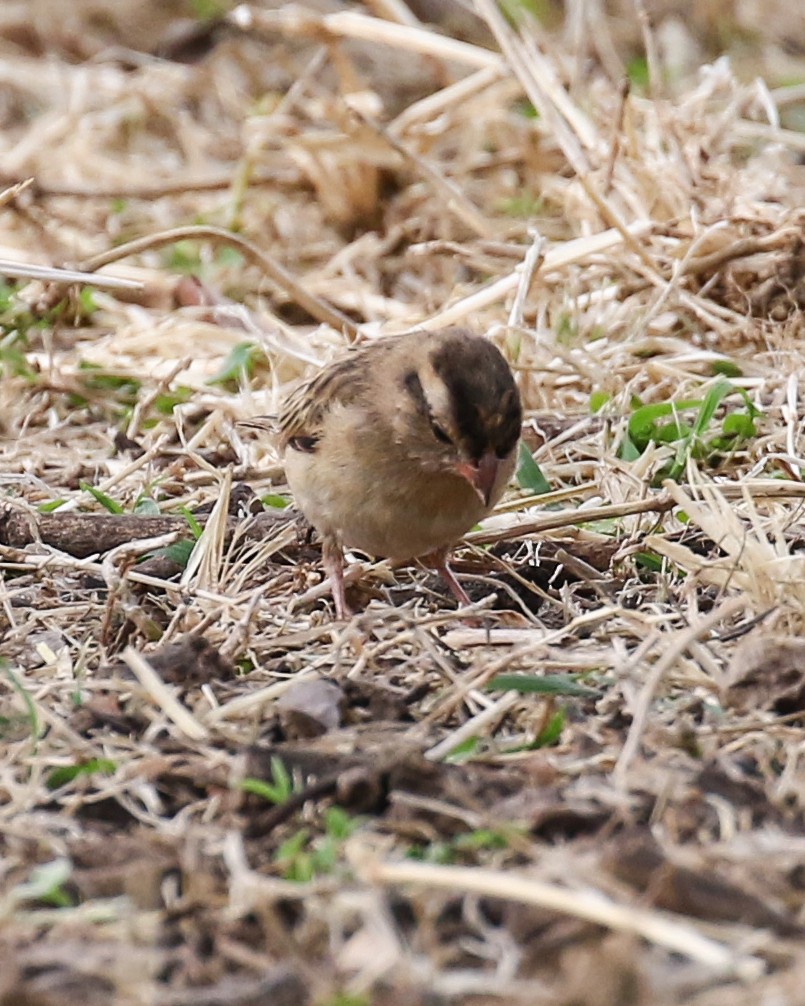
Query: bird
x=400, y=446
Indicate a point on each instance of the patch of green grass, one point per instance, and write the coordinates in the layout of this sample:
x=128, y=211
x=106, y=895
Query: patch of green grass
x=195, y=528
x=46, y=885
x=725, y=368
x=178, y=552
x=649, y=560
x=303, y=856
x=229, y=257
x=239, y=366
x=116, y=393
x=167, y=402
x=67, y=773
x=16, y=317
x=144, y=506
x=30, y=708
x=542, y=684
x=18, y=321
x=637, y=72
x=183, y=257
x=567, y=329
x=529, y=474
x=465, y=751
x=50, y=506
x=695, y=436
x=541, y=10
x=598, y=401
x=467, y=847
x=522, y=106
x=551, y=733
x=523, y=206
x=13, y=345
x=278, y=790
x=209, y=10
x=348, y=999
x=275, y=501
x=87, y=302
x=106, y=501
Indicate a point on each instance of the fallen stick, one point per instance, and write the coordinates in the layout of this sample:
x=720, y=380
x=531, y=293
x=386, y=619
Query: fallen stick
x=82, y=535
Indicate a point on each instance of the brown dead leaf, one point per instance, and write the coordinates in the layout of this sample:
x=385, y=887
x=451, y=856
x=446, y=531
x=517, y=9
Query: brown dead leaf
x=767, y=673
x=192, y=660
x=310, y=707
x=638, y=860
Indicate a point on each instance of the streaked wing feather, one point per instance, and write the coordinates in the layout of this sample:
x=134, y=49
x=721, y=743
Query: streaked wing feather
x=303, y=411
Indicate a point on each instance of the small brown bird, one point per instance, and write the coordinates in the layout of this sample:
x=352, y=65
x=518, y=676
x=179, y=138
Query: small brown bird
x=401, y=446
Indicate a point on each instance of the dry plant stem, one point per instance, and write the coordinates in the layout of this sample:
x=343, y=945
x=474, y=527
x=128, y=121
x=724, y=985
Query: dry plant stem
x=534, y=645
x=652, y=57
x=429, y=108
x=617, y=133
x=157, y=690
x=65, y=277
x=315, y=307
x=210, y=183
x=788, y=95
x=476, y=726
x=572, y=130
x=538, y=525
x=9, y=194
x=394, y=10
x=203, y=566
x=349, y=24
x=119, y=476
x=238, y=637
x=569, y=253
x=742, y=248
x=718, y=208
x=82, y=535
x=350, y=574
x=774, y=134
x=455, y=200
x=662, y=502
x=145, y=403
x=658, y=928
x=673, y=651
x=534, y=258
x=253, y=703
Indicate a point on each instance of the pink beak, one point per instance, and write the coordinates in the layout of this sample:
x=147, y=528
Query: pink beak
x=481, y=476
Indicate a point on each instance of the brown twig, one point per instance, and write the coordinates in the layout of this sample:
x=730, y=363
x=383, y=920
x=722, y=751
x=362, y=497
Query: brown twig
x=82, y=535
x=315, y=307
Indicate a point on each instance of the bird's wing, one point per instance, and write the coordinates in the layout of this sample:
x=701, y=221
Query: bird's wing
x=303, y=412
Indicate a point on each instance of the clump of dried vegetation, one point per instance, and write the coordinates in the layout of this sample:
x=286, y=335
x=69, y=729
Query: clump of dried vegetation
x=212, y=792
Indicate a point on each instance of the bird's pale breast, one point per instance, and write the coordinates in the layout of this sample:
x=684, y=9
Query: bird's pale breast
x=363, y=489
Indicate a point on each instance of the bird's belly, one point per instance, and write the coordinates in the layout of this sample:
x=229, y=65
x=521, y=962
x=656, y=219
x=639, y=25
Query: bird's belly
x=387, y=516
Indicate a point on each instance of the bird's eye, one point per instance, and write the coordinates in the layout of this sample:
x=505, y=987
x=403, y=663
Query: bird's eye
x=307, y=445
x=439, y=433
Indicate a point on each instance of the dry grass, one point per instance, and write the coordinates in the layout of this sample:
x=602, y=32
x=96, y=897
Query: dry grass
x=640, y=844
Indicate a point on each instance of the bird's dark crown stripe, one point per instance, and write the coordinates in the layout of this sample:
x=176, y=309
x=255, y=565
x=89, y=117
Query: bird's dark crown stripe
x=481, y=386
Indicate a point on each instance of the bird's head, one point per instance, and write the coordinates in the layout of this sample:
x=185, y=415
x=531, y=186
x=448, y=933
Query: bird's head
x=462, y=406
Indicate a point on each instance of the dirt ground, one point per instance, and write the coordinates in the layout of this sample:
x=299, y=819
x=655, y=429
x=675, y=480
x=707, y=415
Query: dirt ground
x=212, y=791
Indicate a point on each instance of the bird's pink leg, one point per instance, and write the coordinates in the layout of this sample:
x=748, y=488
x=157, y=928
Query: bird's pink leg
x=438, y=560
x=333, y=561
